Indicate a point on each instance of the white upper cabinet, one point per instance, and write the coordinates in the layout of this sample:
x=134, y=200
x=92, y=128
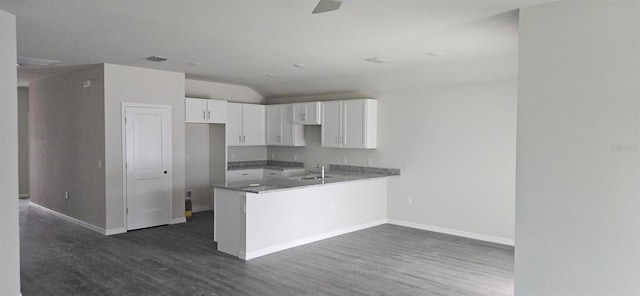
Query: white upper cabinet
x=245, y=125
x=253, y=125
x=205, y=111
x=350, y=124
x=306, y=113
x=281, y=131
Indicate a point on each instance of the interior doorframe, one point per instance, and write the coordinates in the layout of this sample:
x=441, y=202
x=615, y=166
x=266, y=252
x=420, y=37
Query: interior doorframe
x=124, y=158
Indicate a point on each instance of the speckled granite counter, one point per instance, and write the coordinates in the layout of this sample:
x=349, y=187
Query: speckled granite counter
x=264, y=164
x=335, y=174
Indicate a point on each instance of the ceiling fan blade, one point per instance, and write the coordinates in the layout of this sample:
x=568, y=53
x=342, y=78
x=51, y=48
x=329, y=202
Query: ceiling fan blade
x=326, y=5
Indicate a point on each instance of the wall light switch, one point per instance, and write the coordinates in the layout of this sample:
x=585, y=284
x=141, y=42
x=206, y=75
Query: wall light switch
x=66, y=195
x=370, y=161
x=99, y=163
x=344, y=160
x=233, y=156
x=295, y=156
x=273, y=155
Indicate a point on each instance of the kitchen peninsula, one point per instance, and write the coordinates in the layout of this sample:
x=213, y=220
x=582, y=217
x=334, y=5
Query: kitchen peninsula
x=259, y=217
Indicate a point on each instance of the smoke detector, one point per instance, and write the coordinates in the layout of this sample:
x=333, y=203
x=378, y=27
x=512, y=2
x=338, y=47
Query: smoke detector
x=156, y=59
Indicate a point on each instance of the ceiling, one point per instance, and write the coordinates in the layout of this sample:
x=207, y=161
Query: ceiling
x=241, y=41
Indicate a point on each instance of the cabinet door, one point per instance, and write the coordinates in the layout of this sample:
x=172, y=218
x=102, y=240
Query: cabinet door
x=307, y=113
x=216, y=111
x=288, y=136
x=354, y=116
x=253, y=121
x=195, y=110
x=331, y=130
x=272, y=174
x=234, y=124
x=244, y=175
x=274, y=125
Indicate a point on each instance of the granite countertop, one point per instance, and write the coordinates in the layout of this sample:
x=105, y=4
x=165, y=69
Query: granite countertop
x=264, y=164
x=270, y=167
x=273, y=185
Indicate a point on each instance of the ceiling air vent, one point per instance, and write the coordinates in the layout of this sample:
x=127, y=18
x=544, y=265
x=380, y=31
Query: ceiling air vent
x=378, y=60
x=156, y=59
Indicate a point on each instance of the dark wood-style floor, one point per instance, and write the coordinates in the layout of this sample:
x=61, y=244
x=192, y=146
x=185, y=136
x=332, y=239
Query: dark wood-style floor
x=61, y=258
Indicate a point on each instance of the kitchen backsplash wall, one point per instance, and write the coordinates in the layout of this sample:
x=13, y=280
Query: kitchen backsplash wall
x=246, y=153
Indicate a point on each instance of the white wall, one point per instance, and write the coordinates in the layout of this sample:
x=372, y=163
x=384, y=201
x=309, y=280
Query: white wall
x=455, y=146
x=221, y=91
x=137, y=85
x=578, y=164
x=23, y=140
x=66, y=136
x=9, y=248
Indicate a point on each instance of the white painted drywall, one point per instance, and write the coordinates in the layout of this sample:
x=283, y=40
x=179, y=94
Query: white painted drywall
x=455, y=146
x=145, y=86
x=221, y=91
x=23, y=140
x=9, y=248
x=197, y=163
x=578, y=150
x=66, y=131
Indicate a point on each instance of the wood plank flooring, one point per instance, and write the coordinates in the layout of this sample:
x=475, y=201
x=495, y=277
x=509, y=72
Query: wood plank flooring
x=61, y=258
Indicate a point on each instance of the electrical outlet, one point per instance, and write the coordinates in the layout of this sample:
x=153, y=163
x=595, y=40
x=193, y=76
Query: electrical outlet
x=66, y=195
x=187, y=157
x=189, y=192
x=410, y=200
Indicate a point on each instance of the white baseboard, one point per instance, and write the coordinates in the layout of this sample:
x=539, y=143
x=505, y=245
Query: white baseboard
x=70, y=219
x=306, y=240
x=23, y=195
x=200, y=208
x=113, y=231
x=482, y=237
x=178, y=220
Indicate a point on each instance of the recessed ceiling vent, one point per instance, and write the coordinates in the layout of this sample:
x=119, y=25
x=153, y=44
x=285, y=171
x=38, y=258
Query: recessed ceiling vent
x=24, y=61
x=156, y=59
x=378, y=60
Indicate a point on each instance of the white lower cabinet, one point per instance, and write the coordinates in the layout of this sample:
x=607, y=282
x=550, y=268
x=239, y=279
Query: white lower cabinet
x=244, y=175
x=284, y=173
x=264, y=173
x=349, y=124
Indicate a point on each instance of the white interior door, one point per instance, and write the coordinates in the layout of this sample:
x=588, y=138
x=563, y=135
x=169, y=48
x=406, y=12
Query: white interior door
x=148, y=166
